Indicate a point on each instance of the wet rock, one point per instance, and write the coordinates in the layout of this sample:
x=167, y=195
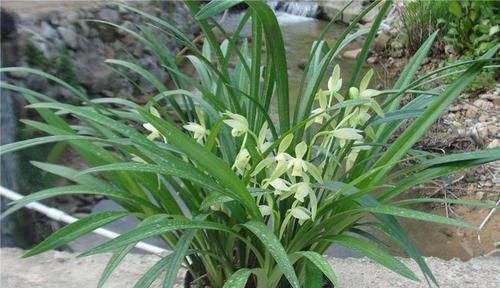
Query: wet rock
x=69, y=37
x=352, y=54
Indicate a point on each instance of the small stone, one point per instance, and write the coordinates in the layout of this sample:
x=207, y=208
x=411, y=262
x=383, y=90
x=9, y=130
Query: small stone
x=18, y=74
x=372, y=60
x=109, y=15
x=380, y=43
x=47, y=31
x=352, y=54
x=483, y=104
x=455, y=108
x=483, y=118
x=69, y=37
x=480, y=195
x=301, y=64
x=494, y=144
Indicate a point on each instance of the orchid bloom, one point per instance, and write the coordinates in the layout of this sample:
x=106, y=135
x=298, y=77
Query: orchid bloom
x=238, y=123
x=241, y=163
x=198, y=131
x=154, y=132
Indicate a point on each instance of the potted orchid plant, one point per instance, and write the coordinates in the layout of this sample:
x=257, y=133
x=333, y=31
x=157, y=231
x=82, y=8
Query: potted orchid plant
x=244, y=196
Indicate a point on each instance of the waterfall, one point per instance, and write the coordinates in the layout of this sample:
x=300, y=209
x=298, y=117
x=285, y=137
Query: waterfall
x=305, y=9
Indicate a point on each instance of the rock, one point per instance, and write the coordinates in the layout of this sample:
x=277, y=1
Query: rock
x=302, y=64
x=483, y=104
x=455, y=108
x=494, y=144
x=397, y=49
x=18, y=74
x=47, y=31
x=480, y=195
x=69, y=37
x=352, y=54
x=380, y=43
x=109, y=15
x=37, y=83
x=8, y=27
x=331, y=8
x=372, y=60
x=92, y=73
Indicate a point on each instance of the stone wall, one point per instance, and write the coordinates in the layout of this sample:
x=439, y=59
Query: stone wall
x=56, y=37
x=64, y=42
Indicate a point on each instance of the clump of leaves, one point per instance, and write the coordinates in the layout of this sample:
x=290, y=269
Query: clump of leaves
x=244, y=189
x=473, y=27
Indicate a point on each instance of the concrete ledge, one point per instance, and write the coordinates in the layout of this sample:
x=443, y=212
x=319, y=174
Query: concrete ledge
x=61, y=269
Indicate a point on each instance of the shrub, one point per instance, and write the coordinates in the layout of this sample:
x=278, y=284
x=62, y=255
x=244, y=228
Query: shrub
x=244, y=195
x=473, y=26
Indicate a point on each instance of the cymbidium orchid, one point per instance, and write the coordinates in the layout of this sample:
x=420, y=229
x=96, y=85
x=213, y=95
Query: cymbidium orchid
x=154, y=132
x=199, y=132
x=241, y=162
x=238, y=123
x=250, y=192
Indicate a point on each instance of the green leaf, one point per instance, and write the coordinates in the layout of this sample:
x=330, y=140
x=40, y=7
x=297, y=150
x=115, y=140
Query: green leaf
x=205, y=159
x=215, y=7
x=153, y=229
x=238, y=279
x=154, y=272
x=455, y=9
x=119, y=254
x=413, y=214
x=76, y=230
x=277, y=53
x=181, y=172
x=274, y=246
x=321, y=263
x=72, y=190
x=373, y=252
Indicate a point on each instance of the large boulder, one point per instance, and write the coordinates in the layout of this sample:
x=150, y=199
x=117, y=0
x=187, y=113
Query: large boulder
x=332, y=7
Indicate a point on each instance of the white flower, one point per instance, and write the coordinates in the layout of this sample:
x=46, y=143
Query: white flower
x=321, y=112
x=298, y=165
x=238, y=123
x=301, y=213
x=198, y=130
x=301, y=190
x=154, y=132
x=241, y=161
x=262, y=142
x=265, y=210
x=280, y=186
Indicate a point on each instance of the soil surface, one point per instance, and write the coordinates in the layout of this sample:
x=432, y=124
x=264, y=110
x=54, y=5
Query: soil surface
x=60, y=269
